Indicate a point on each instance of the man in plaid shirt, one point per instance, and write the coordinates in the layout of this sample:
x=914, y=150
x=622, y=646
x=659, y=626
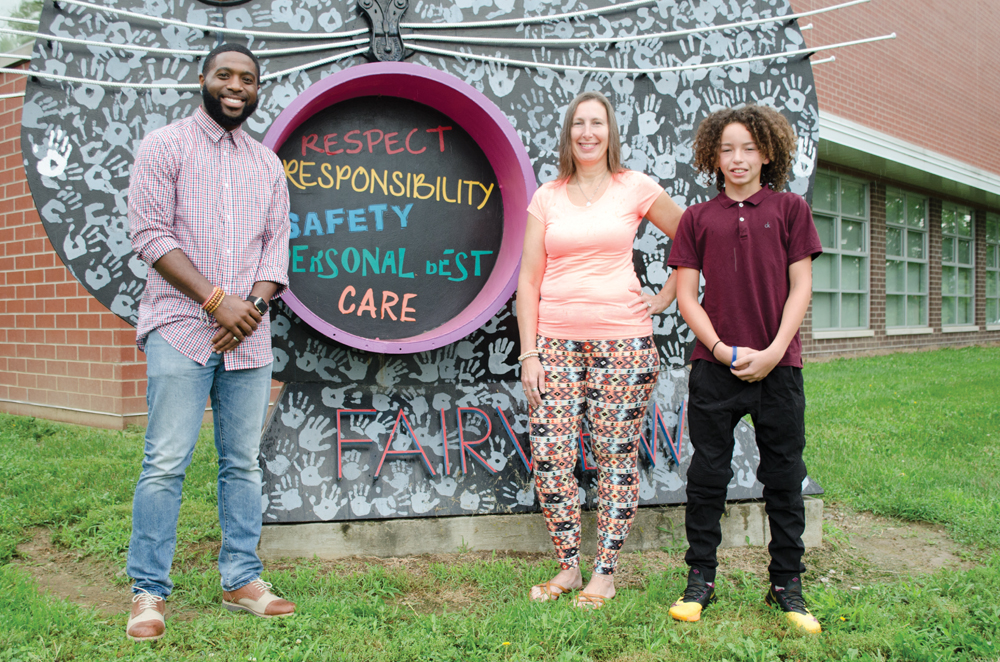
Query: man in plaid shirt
x=208, y=208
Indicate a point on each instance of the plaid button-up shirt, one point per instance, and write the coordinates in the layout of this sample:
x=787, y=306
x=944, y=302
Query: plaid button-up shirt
x=221, y=197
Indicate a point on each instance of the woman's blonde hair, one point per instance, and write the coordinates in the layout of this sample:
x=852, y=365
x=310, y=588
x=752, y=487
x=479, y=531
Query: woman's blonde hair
x=567, y=166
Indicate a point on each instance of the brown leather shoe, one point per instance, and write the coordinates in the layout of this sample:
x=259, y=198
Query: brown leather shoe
x=256, y=598
x=145, y=621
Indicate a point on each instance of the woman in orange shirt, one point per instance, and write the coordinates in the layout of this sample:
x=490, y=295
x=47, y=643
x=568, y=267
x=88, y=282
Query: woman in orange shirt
x=586, y=337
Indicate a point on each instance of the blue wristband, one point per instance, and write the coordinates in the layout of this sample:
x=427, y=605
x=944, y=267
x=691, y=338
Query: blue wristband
x=732, y=364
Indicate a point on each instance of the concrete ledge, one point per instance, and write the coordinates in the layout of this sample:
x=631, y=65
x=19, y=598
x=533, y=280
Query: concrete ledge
x=655, y=527
x=93, y=419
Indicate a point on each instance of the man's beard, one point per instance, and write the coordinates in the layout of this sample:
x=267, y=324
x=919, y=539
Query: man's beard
x=213, y=107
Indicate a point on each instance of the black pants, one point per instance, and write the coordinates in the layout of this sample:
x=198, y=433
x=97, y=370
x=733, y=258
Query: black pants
x=717, y=401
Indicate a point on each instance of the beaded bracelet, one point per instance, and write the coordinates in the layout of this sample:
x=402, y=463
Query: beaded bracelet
x=527, y=355
x=214, y=301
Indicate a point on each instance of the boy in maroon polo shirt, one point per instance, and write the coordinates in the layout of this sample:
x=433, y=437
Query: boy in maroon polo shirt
x=754, y=246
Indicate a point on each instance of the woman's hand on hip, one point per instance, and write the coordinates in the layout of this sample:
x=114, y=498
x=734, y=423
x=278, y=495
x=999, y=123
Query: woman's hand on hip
x=533, y=380
x=647, y=305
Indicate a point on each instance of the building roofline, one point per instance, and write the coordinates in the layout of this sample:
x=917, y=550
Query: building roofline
x=847, y=143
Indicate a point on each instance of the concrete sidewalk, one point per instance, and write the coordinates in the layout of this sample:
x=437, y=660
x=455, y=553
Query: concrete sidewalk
x=744, y=524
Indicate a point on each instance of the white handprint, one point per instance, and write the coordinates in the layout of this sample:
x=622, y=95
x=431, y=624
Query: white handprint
x=360, y=505
x=314, y=433
x=446, y=486
x=498, y=399
x=806, y=157
x=385, y=505
x=333, y=397
x=390, y=373
x=288, y=494
x=421, y=502
x=648, y=124
x=376, y=429
x=351, y=467
x=688, y=102
x=441, y=401
x=646, y=489
x=428, y=368
x=418, y=404
x=665, y=83
x=469, y=501
x=664, y=476
x=496, y=459
x=524, y=496
x=53, y=154
x=37, y=109
x=327, y=507
x=401, y=473
x=499, y=351
x=487, y=503
x=280, y=326
x=501, y=82
x=470, y=371
x=664, y=162
x=295, y=416
x=358, y=369
x=796, y=96
x=467, y=350
x=494, y=323
x=309, y=471
x=279, y=465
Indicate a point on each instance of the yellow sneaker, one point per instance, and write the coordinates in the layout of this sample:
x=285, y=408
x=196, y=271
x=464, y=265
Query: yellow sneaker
x=698, y=595
x=788, y=598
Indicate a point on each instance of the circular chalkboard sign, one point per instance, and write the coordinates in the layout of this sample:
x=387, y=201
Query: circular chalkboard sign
x=396, y=217
x=408, y=206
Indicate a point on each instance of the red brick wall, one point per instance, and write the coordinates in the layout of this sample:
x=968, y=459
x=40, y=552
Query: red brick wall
x=935, y=85
x=882, y=341
x=63, y=355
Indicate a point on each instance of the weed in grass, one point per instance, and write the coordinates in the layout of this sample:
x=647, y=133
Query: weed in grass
x=678, y=539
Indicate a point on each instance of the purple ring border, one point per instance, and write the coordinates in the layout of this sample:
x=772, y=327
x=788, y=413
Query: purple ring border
x=486, y=124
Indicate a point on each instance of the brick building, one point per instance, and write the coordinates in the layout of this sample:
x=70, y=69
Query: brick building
x=63, y=355
x=907, y=193
x=907, y=201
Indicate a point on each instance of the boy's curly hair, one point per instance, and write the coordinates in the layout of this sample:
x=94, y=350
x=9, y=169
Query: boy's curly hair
x=773, y=134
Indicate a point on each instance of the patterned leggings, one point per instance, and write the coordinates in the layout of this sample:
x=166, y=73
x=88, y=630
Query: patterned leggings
x=610, y=381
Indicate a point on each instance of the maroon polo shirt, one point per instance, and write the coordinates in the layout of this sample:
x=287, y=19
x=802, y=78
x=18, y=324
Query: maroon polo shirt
x=743, y=250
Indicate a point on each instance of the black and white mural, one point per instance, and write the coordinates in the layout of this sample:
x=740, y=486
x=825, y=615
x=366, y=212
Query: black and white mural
x=361, y=435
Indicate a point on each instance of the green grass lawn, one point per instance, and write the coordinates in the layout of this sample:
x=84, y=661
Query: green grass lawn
x=908, y=436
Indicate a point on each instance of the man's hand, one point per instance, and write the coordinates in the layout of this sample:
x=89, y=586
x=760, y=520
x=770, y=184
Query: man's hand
x=237, y=319
x=753, y=366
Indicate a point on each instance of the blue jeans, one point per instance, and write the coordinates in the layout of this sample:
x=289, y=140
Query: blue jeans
x=176, y=392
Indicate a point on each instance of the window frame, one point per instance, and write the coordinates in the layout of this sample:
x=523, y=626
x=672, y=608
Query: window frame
x=839, y=217
x=955, y=264
x=906, y=229
x=992, y=246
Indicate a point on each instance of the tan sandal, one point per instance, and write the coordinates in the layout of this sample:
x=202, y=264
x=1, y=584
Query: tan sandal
x=590, y=600
x=548, y=593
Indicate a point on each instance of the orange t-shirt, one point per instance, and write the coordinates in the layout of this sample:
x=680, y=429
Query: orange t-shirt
x=588, y=260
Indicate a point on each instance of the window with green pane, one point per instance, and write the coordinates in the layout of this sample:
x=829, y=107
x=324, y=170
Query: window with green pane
x=906, y=269
x=840, y=274
x=957, y=267
x=993, y=268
